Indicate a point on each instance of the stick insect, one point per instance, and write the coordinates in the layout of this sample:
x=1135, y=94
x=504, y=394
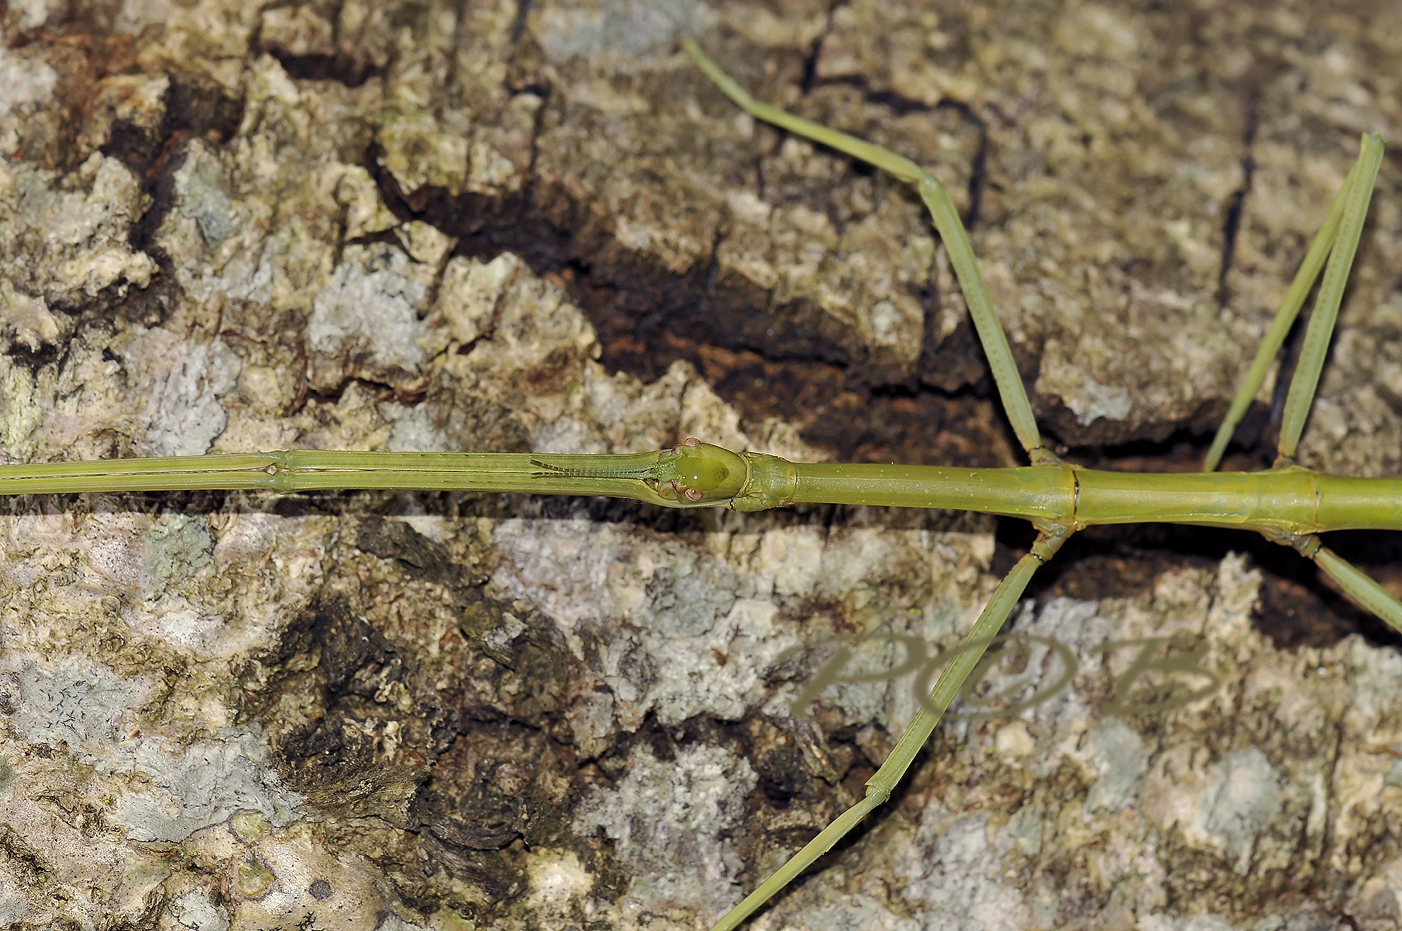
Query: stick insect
x=1287, y=504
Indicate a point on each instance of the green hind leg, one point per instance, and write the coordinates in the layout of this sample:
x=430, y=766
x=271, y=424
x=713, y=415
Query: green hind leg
x=1338, y=242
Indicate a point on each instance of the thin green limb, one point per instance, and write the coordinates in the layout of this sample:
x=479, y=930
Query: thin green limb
x=883, y=783
x=1280, y=326
x=1331, y=293
x=951, y=680
x=1358, y=586
x=947, y=222
x=693, y=474
x=1351, y=580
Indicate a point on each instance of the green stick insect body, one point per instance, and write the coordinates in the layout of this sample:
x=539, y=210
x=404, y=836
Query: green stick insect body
x=1289, y=505
x=695, y=474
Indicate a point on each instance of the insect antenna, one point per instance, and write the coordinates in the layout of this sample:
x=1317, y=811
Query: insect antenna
x=550, y=468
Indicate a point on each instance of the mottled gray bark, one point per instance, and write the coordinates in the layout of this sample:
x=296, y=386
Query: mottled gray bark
x=479, y=226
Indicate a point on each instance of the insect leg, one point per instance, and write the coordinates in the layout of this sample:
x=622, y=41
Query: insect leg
x=1280, y=326
x=951, y=230
x=1331, y=292
x=1353, y=581
x=884, y=781
x=1358, y=586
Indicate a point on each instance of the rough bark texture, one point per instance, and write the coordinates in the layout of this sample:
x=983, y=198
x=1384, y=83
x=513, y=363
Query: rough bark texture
x=478, y=226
